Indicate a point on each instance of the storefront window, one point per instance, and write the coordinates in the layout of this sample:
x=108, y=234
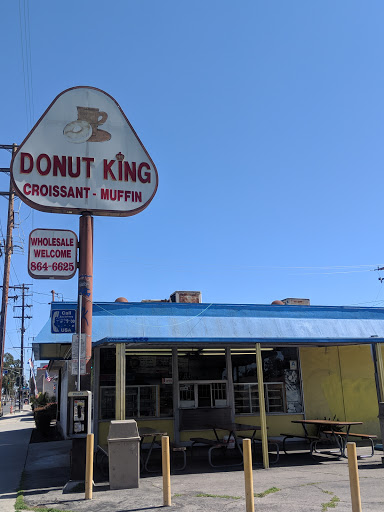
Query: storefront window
x=196, y=366
x=282, y=386
x=148, y=391
x=202, y=394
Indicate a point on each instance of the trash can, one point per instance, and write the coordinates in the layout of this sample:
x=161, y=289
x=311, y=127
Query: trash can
x=124, y=454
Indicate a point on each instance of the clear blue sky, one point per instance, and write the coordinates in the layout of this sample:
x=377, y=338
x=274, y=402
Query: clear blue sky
x=265, y=122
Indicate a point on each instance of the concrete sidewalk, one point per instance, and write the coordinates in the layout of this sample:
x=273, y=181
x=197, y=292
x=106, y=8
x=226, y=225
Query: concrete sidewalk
x=300, y=484
x=15, y=434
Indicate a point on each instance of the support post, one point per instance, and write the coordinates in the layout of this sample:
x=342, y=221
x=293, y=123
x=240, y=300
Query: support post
x=230, y=391
x=7, y=267
x=175, y=393
x=89, y=467
x=120, y=382
x=248, y=476
x=166, y=466
x=79, y=310
x=263, y=416
x=380, y=370
x=86, y=288
x=354, y=477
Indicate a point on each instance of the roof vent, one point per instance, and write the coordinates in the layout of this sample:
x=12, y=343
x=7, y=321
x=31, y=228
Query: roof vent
x=186, y=297
x=296, y=302
x=121, y=299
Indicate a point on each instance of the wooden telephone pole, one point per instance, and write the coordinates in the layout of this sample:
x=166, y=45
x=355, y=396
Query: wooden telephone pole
x=8, y=249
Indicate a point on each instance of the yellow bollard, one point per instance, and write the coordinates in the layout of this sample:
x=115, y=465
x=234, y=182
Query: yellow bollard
x=89, y=467
x=354, y=477
x=248, y=476
x=166, y=471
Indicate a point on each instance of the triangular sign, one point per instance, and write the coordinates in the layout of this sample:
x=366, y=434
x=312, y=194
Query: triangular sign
x=84, y=156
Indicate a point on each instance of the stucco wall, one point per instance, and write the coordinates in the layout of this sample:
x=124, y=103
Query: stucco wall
x=339, y=382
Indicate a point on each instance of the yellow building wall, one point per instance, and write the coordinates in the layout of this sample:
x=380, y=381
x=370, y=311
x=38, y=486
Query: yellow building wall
x=339, y=382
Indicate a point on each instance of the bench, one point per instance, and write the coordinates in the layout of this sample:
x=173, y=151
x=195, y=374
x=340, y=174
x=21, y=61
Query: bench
x=213, y=445
x=101, y=459
x=364, y=437
x=310, y=439
x=174, y=448
x=273, y=445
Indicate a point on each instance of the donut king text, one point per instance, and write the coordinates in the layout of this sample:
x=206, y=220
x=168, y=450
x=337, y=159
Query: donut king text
x=82, y=183
x=52, y=254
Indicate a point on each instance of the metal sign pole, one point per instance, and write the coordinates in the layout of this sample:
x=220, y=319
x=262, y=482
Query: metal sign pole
x=86, y=288
x=79, y=338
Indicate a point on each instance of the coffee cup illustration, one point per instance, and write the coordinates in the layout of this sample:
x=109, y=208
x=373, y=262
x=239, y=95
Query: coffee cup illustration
x=86, y=127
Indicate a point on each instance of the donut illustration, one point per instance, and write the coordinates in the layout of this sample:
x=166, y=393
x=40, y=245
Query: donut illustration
x=78, y=131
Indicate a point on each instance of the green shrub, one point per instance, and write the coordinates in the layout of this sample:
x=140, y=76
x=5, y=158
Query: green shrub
x=41, y=400
x=43, y=417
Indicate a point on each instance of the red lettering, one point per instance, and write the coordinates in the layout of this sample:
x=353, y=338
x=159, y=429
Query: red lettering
x=107, y=169
x=147, y=175
x=27, y=189
x=43, y=190
x=127, y=194
x=131, y=171
x=59, y=165
x=88, y=161
x=23, y=157
x=105, y=194
x=35, y=190
x=71, y=172
x=48, y=164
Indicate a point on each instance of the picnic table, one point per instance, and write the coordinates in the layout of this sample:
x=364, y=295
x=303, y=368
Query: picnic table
x=335, y=430
x=233, y=429
x=152, y=434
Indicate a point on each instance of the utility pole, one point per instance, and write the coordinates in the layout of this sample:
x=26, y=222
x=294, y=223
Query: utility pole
x=8, y=249
x=23, y=317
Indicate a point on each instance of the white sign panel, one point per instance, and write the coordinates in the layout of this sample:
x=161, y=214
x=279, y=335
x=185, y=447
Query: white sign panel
x=75, y=367
x=75, y=346
x=84, y=156
x=75, y=354
x=52, y=254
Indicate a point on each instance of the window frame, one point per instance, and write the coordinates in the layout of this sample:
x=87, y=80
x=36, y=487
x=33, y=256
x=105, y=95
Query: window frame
x=216, y=403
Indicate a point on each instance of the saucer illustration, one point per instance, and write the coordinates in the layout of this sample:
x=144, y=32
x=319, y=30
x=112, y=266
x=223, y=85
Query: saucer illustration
x=100, y=136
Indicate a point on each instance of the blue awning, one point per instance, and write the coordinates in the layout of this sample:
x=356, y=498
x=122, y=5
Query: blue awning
x=175, y=323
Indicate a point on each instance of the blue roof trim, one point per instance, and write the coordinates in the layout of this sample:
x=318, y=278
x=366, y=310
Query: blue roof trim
x=164, y=322
x=221, y=341
x=228, y=310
